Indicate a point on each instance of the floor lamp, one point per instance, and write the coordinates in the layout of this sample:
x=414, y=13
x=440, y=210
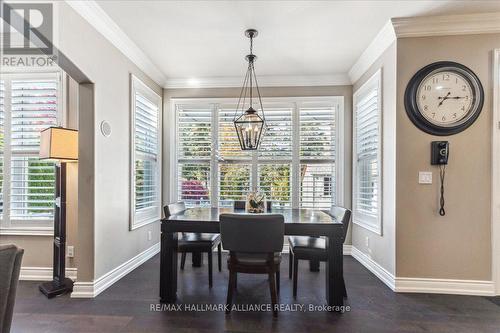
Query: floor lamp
x=61, y=144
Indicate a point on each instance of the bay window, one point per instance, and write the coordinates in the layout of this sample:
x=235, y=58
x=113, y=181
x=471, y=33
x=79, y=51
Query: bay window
x=294, y=166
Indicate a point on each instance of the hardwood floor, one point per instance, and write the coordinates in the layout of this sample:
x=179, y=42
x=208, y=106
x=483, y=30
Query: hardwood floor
x=125, y=307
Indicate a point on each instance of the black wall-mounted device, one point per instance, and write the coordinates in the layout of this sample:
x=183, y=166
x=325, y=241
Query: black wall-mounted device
x=439, y=152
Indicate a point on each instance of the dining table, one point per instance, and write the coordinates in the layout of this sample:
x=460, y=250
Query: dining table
x=298, y=222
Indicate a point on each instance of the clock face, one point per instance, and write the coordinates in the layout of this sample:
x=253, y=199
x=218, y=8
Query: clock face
x=444, y=98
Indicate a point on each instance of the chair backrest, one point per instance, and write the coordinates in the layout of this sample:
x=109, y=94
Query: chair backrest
x=239, y=204
x=174, y=208
x=252, y=233
x=343, y=215
x=10, y=261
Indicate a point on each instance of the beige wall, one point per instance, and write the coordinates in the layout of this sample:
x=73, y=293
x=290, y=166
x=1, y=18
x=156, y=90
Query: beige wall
x=345, y=91
x=109, y=70
x=458, y=245
x=381, y=248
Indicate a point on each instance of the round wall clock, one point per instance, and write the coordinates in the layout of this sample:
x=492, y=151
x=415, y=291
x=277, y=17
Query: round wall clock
x=444, y=98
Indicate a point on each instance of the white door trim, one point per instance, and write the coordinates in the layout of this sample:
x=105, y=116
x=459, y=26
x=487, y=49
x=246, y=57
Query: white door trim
x=495, y=188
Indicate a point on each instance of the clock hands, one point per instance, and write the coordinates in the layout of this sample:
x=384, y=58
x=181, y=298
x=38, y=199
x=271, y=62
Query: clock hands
x=444, y=98
x=448, y=97
x=454, y=97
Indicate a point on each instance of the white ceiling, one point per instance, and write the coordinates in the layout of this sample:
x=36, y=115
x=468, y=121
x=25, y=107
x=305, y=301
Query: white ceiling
x=200, y=39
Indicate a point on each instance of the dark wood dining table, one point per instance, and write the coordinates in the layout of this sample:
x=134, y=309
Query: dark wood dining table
x=302, y=222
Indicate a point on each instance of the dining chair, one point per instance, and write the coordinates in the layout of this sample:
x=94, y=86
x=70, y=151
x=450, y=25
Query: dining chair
x=10, y=263
x=314, y=248
x=255, y=243
x=190, y=242
x=240, y=204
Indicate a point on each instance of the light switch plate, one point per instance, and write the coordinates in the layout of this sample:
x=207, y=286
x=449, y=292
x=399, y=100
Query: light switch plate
x=425, y=177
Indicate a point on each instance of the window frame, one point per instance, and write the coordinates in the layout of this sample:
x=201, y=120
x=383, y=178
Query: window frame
x=373, y=223
x=14, y=227
x=150, y=215
x=294, y=161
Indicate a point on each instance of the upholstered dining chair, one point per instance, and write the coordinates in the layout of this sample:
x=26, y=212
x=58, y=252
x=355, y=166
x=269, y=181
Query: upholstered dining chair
x=10, y=264
x=190, y=242
x=255, y=242
x=314, y=248
x=240, y=204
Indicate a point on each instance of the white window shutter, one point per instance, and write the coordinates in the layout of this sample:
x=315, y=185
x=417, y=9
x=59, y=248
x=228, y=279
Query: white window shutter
x=317, y=155
x=194, y=149
x=146, y=153
x=366, y=155
x=34, y=107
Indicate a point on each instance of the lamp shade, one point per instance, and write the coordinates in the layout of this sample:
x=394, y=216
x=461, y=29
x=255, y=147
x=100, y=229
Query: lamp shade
x=59, y=144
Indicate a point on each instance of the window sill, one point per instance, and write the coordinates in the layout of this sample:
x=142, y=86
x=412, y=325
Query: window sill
x=375, y=228
x=142, y=223
x=27, y=231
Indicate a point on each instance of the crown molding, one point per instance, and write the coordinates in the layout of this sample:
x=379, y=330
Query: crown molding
x=101, y=21
x=379, y=44
x=264, y=81
x=464, y=24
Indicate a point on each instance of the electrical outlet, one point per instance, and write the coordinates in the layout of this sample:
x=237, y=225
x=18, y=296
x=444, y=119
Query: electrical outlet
x=71, y=251
x=149, y=235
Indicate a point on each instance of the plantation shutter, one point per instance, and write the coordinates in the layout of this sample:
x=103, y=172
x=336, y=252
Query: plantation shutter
x=34, y=107
x=275, y=183
x=146, y=152
x=234, y=183
x=367, y=146
x=277, y=141
x=194, y=149
x=317, y=154
x=274, y=179
x=194, y=132
x=228, y=144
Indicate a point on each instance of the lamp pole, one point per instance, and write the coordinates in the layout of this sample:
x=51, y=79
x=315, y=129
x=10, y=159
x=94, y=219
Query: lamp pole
x=60, y=284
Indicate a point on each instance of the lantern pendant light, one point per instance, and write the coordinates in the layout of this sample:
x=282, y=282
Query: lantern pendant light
x=249, y=124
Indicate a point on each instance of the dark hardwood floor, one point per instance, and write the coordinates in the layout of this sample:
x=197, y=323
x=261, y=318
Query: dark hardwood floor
x=126, y=306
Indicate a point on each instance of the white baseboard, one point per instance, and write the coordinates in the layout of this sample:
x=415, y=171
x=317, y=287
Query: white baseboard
x=445, y=286
x=43, y=273
x=384, y=275
x=424, y=285
x=92, y=289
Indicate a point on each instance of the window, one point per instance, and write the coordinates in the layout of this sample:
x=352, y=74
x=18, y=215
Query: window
x=317, y=155
x=146, y=164
x=29, y=103
x=294, y=167
x=194, y=124
x=367, y=155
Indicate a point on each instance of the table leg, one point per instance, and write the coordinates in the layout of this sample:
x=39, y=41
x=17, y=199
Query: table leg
x=168, y=267
x=314, y=265
x=334, y=271
x=197, y=259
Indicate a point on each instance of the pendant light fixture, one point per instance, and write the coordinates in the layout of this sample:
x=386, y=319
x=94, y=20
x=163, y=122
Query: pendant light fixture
x=249, y=124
